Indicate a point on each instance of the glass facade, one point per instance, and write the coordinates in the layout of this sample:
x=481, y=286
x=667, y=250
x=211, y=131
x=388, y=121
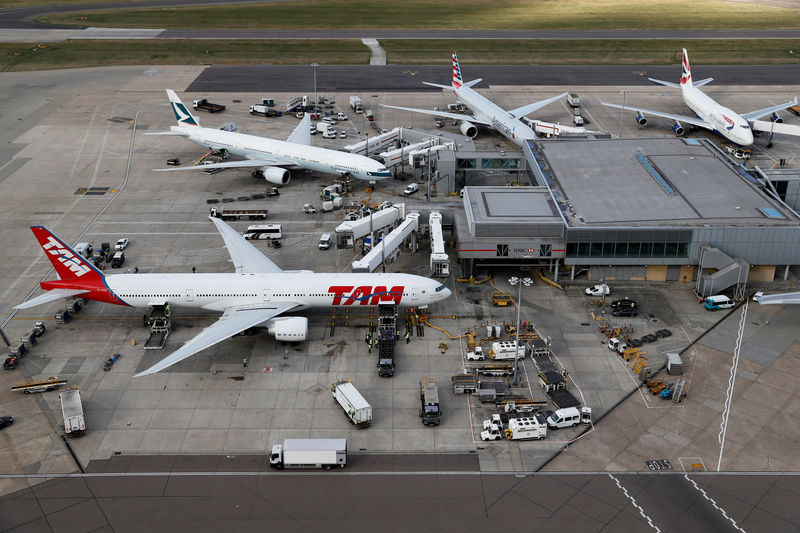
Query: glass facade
x=628, y=249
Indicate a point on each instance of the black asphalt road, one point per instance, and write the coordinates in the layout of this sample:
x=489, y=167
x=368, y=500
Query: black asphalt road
x=393, y=493
x=287, y=78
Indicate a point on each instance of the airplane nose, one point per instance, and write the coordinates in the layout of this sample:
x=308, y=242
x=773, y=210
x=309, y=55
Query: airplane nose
x=446, y=294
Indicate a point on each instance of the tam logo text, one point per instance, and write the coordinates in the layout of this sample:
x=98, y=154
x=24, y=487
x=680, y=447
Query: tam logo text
x=365, y=295
x=67, y=258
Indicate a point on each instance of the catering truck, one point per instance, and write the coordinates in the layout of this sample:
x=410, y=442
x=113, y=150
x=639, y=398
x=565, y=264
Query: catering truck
x=309, y=453
x=358, y=411
x=71, y=408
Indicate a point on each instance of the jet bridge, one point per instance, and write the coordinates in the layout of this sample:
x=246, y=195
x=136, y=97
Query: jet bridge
x=376, y=143
x=388, y=249
x=349, y=231
x=397, y=157
x=440, y=263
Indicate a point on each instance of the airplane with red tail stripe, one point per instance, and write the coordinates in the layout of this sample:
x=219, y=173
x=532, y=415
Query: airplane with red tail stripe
x=253, y=296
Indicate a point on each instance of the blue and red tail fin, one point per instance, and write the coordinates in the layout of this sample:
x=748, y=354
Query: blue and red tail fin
x=69, y=264
x=182, y=114
x=457, y=80
x=686, y=72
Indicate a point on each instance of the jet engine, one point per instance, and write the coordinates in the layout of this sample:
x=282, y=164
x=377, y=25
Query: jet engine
x=776, y=118
x=274, y=175
x=640, y=119
x=469, y=129
x=678, y=129
x=288, y=328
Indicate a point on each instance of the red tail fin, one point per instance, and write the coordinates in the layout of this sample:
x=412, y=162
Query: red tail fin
x=68, y=263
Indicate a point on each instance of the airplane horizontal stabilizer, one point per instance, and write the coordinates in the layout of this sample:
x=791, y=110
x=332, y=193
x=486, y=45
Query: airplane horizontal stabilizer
x=247, y=163
x=667, y=83
x=174, y=133
x=446, y=87
x=445, y=114
x=473, y=82
x=702, y=82
x=50, y=296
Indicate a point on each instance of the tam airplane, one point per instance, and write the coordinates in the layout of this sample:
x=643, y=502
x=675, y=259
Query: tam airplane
x=254, y=295
x=271, y=158
x=510, y=124
x=711, y=115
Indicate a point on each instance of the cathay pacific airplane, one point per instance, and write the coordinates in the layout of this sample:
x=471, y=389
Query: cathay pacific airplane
x=253, y=296
x=270, y=157
x=511, y=124
x=712, y=116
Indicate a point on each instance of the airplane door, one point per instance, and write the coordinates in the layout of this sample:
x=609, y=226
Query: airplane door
x=189, y=295
x=415, y=294
x=267, y=295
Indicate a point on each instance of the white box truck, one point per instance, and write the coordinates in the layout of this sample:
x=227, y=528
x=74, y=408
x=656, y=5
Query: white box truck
x=309, y=453
x=358, y=411
x=356, y=104
x=505, y=350
x=71, y=408
x=525, y=428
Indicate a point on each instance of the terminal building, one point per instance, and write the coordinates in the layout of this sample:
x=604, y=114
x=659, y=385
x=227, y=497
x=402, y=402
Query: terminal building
x=647, y=209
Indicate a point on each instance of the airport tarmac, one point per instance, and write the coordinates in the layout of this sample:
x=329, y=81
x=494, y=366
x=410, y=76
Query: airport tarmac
x=87, y=134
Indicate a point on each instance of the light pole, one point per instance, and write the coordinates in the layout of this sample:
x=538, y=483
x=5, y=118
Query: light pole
x=315, y=65
x=624, y=93
x=519, y=283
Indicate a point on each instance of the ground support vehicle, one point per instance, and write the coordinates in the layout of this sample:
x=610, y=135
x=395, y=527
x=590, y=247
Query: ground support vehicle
x=387, y=337
x=504, y=350
x=31, y=386
x=358, y=411
x=236, y=214
x=110, y=362
x=160, y=326
x=464, y=384
x=264, y=110
x=573, y=100
x=429, y=412
x=525, y=429
x=501, y=299
x=490, y=391
x=309, y=453
x=356, y=104
x=552, y=380
x=524, y=405
x=72, y=410
x=563, y=398
x=205, y=105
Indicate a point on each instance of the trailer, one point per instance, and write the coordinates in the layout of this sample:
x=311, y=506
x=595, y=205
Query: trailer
x=430, y=412
x=490, y=391
x=205, y=105
x=493, y=369
x=72, y=410
x=563, y=398
x=267, y=111
x=309, y=453
x=358, y=411
x=31, y=386
x=464, y=383
x=552, y=380
x=236, y=214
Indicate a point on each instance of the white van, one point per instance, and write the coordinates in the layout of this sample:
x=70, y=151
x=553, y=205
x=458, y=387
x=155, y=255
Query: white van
x=325, y=241
x=263, y=232
x=719, y=301
x=411, y=189
x=564, y=418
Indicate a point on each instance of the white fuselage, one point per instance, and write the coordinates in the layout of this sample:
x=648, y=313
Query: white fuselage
x=504, y=122
x=217, y=292
x=298, y=155
x=725, y=122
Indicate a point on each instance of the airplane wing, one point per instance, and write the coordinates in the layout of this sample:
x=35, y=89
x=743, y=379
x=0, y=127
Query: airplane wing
x=445, y=114
x=680, y=118
x=234, y=320
x=50, y=296
x=752, y=115
x=246, y=163
x=530, y=108
x=246, y=257
x=302, y=133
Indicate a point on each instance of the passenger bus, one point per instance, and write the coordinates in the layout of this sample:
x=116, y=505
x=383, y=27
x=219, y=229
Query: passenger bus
x=263, y=231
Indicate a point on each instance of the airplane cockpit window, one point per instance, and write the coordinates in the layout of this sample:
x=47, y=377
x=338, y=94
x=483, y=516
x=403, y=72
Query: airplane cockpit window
x=440, y=288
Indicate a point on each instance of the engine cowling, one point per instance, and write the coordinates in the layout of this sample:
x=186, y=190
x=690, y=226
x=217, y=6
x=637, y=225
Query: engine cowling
x=276, y=175
x=641, y=120
x=776, y=118
x=678, y=129
x=469, y=129
x=288, y=328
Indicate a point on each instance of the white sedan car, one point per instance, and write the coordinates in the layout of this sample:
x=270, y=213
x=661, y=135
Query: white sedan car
x=122, y=244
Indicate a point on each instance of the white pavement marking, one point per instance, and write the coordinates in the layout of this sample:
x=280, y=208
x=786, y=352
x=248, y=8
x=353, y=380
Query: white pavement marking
x=633, y=502
x=717, y=507
x=378, y=54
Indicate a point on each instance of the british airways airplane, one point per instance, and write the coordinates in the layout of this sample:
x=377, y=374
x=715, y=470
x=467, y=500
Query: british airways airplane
x=710, y=115
x=253, y=296
x=511, y=124
x=270, y=157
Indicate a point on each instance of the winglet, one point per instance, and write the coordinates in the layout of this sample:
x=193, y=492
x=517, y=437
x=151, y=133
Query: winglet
x=182, y=114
